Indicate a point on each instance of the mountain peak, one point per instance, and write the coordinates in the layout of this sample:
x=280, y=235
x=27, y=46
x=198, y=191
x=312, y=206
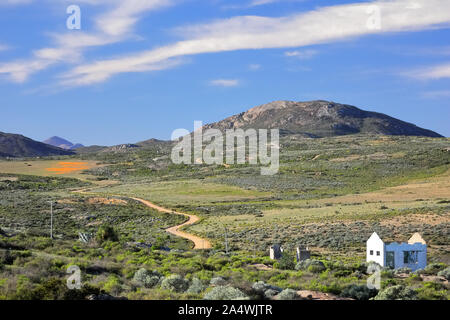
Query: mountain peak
x=62, y=143
x=319, y=118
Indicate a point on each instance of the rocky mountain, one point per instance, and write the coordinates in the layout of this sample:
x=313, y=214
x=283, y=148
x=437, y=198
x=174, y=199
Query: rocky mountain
x=319, y=119
x=62, y=143
x=15, y=145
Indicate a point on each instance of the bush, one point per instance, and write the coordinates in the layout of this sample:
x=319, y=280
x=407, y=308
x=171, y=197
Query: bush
x=196, y=286
x=106, y=233
x=266, y=290
x=432, y=291
x=218, y=281
x=288, y=294
x=359, y=292
x=398, y=292
x=434, y=268
x=225, y=293
x=149, y=279
x=175, y=283
x=445, y=273
x=314, y=266
x=286, y=262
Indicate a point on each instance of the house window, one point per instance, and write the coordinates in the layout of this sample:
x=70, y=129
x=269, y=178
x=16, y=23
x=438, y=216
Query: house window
x=371, y=252
x=410, y=257
x=378, y=253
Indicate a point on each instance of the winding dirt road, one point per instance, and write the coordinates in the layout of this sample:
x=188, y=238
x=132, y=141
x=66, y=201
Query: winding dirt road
x=199, y=243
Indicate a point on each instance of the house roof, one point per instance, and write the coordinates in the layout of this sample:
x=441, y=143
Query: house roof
x=416, y=238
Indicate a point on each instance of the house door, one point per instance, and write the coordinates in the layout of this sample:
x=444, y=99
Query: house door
x=390, y=259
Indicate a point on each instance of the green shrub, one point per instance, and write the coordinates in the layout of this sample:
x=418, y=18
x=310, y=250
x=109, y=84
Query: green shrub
x=196, y=286
x=398, y=292
x=434, y=268
x=106, y=233
x=445, y=273
x=286, y=262
x=218, y=281
x=267, y=291
x=175, y=283
x=225, y=293
x=432, y=291
x=288, y=294
x=359, y=292
x=149, y=279
x=314, y=266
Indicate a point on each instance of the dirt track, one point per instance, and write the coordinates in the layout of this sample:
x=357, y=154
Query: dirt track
x=199, y=243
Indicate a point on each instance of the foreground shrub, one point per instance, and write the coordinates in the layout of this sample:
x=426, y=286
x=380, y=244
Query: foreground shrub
x=445, y=273
x=225, y=293
x=196, y=286
x=267, y=291
x=434, y=268
x=106, y=233
x=314, y=266
x=146, y=278
x=432, y=291
x=359, y=292
x=218, y=281
x=286, y=262
x=288, y=294
x=398, y=292
x=175, y=283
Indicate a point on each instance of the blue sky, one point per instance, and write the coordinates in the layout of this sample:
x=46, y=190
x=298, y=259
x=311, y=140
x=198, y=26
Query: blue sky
x=139, y=69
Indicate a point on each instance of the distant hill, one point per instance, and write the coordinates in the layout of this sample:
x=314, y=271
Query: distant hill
x=62, y=143
x=319, y=119
x=18, y=146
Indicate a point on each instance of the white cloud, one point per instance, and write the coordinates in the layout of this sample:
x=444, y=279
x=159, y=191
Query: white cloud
x=324, y=25
x=3, y=47
x=113, y=26
x=303, y=55
x=430, y=73
x=225, y=82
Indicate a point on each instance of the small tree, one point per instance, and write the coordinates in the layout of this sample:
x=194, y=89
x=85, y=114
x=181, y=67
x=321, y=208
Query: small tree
x=286, y=262
x=106, y=233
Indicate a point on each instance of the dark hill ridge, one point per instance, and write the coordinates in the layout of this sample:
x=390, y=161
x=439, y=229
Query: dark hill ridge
x=15, y=145
x=319, y=119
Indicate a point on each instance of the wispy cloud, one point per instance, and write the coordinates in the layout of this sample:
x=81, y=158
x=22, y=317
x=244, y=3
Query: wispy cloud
x=3, y=47
x=254, y=67
x=301, y=54
x=436, y=72
x=225, y=82
x=323, y=25
x=114, y=26
x=437, y=94
x=14, y=2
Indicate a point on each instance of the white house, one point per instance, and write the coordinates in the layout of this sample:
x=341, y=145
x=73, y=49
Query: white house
x=398, y=255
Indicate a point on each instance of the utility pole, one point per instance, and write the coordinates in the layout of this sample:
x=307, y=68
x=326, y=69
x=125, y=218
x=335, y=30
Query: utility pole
x=51, y=219
x=226, y=241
